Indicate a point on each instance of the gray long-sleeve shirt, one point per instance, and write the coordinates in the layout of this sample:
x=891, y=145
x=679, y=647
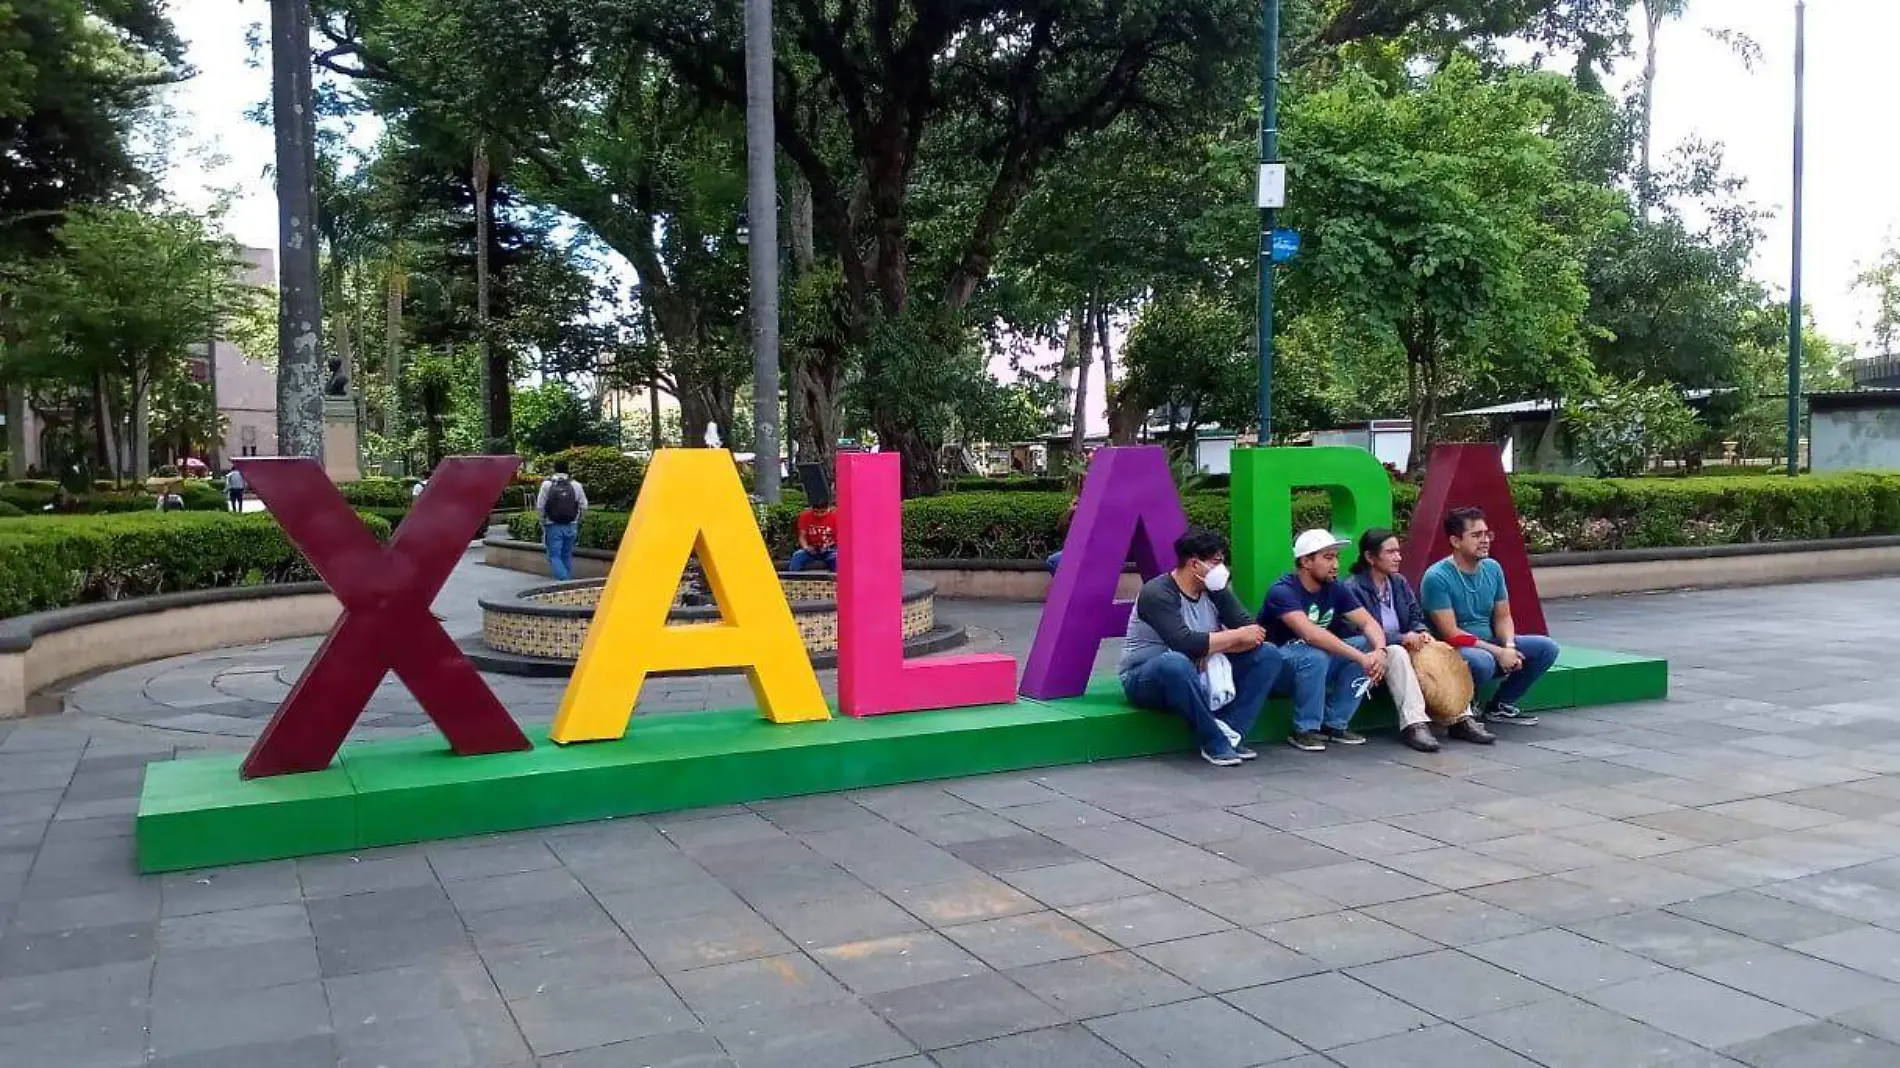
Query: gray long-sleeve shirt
x=1165, y=619
x=541, y=498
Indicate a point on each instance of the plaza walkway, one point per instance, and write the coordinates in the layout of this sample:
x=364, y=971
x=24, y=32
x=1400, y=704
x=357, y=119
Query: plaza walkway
x=1711, y=880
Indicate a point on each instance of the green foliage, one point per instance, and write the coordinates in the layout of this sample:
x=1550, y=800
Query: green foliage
x=1558, y=514
x=1444, y=232
x=1618, y=429
x=1881, y=281
x=9, y=510
x=611, y=479
x=124, y=298
x=1008, y=484
x=75, y=78
x=32, y=496
x=378, y=493
x=57, y=561
x=554, y=416
x=1191, y=352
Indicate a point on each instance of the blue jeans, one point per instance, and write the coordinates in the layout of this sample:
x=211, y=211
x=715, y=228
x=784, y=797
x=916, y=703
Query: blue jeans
x=1053, y=561
x=559, y=539
x=1539, y=654
x=1321, y=685
x=804, y=558
x=1171, y=683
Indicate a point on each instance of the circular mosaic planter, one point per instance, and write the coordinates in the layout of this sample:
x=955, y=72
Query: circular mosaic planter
x=541, y=629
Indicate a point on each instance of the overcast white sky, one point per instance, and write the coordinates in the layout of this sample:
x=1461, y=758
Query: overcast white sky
x=1703, y=91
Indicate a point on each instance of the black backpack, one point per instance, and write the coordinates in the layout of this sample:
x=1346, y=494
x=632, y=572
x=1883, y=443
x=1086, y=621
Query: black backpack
x=563, y=506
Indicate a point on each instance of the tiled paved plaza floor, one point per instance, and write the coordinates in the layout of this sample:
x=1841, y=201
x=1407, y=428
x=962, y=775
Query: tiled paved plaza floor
x=1712, y=880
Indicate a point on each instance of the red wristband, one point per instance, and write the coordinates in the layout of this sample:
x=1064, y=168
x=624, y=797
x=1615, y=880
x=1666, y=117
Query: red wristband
x=1462, y=640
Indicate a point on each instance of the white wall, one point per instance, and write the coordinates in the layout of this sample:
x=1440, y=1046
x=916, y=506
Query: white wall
x=1855, y=439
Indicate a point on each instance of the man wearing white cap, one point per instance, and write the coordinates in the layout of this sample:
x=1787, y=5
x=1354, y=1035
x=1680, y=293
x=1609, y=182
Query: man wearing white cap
x=1327, y=675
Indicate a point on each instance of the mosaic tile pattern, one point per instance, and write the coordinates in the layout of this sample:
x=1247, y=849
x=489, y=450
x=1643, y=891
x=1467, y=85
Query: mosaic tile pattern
x=559, y=637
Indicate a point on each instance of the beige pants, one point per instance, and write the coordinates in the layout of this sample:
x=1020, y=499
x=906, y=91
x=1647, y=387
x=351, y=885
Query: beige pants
x=1403, y=682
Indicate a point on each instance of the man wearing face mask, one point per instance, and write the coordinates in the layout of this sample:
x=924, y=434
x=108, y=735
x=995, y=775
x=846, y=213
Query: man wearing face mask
x=1327, y=675
x=1194, y=651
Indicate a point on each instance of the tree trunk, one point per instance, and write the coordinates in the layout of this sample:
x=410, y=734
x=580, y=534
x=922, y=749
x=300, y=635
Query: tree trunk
x=799, y=223
x=300, y=311
x=818, y=382
x=1084, y=353
x=104, y=440
x=1653, y=15
x=653, y=412
x=392, y=355
x=920, y=458
x=16, y=431
x=698, y=410
x=141, y=431
x=496, y=380
x=1071, y=352
x=1413, y=454
x=1108, y=358
x=1422, y=389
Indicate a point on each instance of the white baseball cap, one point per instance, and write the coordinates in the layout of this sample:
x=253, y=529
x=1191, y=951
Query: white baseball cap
x=1314, y=541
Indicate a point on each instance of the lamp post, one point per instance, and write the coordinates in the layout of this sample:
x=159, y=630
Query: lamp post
x=1794, y=284
x=1272, y=190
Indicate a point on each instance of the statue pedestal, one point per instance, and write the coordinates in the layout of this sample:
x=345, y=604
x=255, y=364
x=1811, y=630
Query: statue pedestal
x=342, y=446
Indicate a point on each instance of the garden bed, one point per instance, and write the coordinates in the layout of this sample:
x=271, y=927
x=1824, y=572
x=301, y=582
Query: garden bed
x=59, y=561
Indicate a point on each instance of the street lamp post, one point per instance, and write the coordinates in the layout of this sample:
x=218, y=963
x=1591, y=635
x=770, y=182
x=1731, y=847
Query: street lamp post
x=762, y=210
x=1794, y=284
x=1271, y=196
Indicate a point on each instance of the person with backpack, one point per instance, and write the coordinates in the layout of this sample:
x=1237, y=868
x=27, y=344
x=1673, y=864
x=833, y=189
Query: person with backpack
x=560, y=505
x=234, y=488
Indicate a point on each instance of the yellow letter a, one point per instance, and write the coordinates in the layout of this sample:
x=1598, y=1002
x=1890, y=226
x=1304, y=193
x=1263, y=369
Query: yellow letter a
x=691, y=500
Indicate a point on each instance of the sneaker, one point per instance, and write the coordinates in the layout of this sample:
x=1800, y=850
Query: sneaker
x=1499, y=712
x=1419, y=737
x=1245, y=753
x=1470, y=730
x=1221, y=760
x=1307, y=741
x=1343, y=736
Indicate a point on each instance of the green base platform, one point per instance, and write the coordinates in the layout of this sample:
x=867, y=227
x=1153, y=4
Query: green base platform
x=197, y=813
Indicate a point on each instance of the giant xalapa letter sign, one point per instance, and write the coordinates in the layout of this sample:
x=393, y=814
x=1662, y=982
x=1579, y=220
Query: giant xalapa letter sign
x=692, y=503
x=386, y=625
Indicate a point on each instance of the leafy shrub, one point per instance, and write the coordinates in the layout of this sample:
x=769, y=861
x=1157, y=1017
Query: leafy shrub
x=611, y=479
x=1005, y=484
x=8, y=511
x=377, y=492
x=56, y=561
x=1558, y=514
x=32, y=497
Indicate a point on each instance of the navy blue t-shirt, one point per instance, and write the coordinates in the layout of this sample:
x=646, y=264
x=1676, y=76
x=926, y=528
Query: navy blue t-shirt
x=1324, y=607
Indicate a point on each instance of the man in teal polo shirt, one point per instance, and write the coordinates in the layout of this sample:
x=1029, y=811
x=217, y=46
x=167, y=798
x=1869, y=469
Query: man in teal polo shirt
x=1469, y=608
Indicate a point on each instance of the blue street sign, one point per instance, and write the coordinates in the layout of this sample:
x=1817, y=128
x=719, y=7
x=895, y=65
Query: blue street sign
x=1286, y=245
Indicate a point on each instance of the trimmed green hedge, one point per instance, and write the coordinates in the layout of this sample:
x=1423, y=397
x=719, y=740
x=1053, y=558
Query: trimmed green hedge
x=1558, y=513
x=611, y=478
x=31, y=496
x=57, y=561
x=377, y=492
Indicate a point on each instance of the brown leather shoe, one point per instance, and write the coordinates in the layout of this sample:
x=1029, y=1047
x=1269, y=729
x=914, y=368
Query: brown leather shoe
x=1470, y=730
x=1419, y=737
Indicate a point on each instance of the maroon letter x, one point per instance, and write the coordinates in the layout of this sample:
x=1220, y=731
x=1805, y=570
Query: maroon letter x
x=386, y=625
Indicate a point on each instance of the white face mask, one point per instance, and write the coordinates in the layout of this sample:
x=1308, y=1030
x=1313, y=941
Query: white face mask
x=1216, y=577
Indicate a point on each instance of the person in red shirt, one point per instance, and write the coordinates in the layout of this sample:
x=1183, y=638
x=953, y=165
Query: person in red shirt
x=817, y=539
